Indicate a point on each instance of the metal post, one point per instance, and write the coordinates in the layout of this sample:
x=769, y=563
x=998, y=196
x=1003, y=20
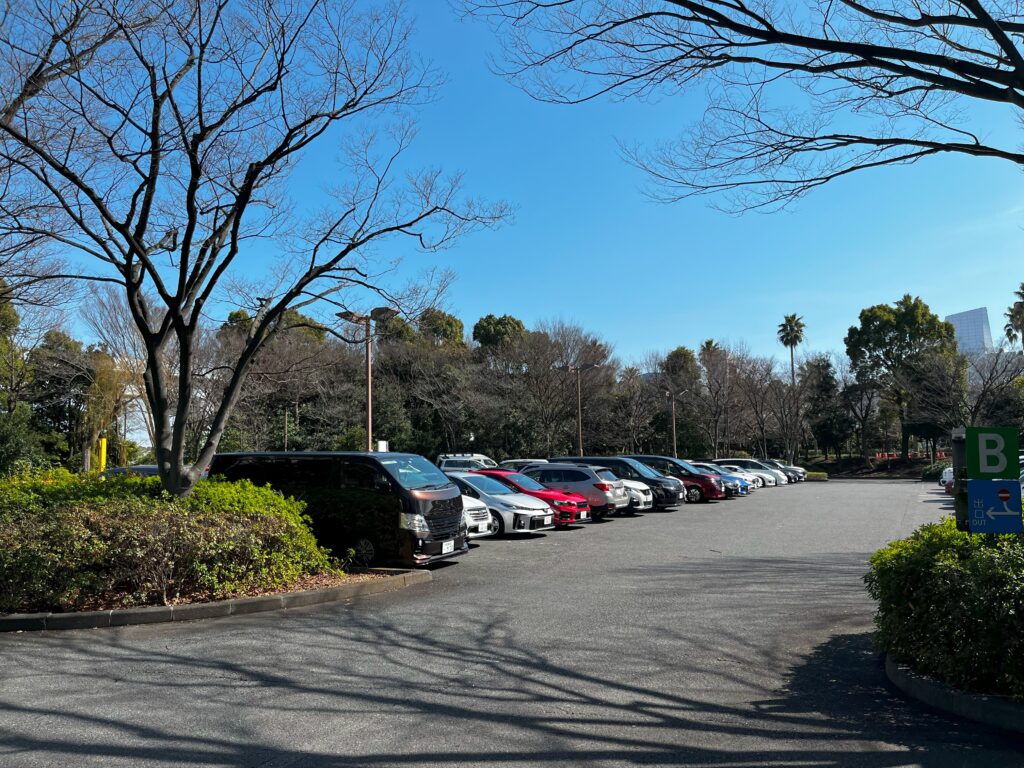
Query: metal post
x=579, y=407
x=675, y=448
x=369, y=387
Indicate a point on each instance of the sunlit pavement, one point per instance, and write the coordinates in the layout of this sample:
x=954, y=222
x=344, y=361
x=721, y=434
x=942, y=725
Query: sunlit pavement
x=726, y=634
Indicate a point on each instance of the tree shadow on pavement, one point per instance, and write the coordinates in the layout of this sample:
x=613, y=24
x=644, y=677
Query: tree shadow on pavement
x=379, y=684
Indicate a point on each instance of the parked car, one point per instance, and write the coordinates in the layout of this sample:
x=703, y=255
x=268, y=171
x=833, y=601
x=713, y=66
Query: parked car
x=569, y=507
x=697, y=485
x=142, y=470
x=793, y=474
x=667, y=491
x=755, y=466
x=640, y=496
x=511, y=511
x=605, y=492
x=763, y=478
x=734, y=484
x=465, y=461
x=947, y=476
x=517, y=464
x=477, y=517
x=384, y=506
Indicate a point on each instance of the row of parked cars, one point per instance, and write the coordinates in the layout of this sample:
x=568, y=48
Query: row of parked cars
x=402, y=508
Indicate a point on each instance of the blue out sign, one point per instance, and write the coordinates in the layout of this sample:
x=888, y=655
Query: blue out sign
x=994, y=506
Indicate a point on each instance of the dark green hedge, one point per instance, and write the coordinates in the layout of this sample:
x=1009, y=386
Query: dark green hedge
x=70, y=542
x=951, y=604
x=934, y=471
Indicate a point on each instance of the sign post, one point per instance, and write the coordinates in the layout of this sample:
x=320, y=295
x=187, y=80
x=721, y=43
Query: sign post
x=993, y=488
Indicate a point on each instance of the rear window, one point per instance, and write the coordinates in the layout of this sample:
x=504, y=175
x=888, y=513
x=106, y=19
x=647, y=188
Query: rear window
x=606, y=474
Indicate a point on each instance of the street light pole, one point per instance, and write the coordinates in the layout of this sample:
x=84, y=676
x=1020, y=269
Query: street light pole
x=578, y=369
x=378, y=315
x=675, y=446
x=579, y=409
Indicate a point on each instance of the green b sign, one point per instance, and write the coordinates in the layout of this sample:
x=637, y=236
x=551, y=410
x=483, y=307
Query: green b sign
x=992, y=453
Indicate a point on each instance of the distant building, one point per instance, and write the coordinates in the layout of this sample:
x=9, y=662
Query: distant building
x=973, y=333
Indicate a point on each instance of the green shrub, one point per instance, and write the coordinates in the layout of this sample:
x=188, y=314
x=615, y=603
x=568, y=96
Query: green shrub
x=68, y=542
x=934, y=471
x=951, y=604
x=819, y=476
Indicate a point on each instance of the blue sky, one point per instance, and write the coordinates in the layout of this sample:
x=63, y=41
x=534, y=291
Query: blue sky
x=587, y=246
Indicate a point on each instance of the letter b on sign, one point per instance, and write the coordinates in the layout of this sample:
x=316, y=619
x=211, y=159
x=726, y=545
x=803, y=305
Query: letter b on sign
x=992, y=453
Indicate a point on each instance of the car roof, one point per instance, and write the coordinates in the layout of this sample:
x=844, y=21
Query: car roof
x=328, y=454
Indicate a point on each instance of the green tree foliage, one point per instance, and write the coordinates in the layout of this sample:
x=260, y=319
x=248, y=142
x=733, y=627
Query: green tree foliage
x=1014, y=328
x=828, y=419
x=889, y=342
x=441, y=328
x=491, y=331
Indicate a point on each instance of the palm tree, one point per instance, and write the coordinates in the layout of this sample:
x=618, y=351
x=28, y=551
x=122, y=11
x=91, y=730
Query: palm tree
x=1014, y=328
x=791, y=333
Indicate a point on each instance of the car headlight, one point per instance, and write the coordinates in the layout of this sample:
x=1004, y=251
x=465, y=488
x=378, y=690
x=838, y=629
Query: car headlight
x=413, y=522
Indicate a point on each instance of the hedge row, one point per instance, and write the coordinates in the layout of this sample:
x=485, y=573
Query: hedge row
x=934, y=471
x=69, y=542
x=951, y=604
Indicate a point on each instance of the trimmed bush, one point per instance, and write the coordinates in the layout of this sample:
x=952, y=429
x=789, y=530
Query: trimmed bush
x=951, y=604
x=819, y=476
x=934, y=471
x=69, y=542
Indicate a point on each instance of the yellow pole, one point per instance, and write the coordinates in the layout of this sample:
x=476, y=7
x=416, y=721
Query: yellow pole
x=103, y=453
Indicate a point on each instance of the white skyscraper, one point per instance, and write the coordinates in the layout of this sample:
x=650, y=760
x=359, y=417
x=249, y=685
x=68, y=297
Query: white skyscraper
x=972, y=330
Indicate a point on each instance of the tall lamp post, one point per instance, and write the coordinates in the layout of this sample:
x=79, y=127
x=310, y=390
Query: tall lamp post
x=672, y=399
x=578, y=369
x=377, y=315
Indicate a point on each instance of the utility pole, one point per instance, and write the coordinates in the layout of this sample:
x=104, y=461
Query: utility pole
x=578, y=369
x=378, y=314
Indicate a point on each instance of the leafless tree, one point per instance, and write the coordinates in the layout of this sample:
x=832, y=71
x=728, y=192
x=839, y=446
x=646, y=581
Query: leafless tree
x=883, y=83
x=158, y=158
x=755, y=378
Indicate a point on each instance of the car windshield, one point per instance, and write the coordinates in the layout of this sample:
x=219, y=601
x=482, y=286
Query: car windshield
x=686, y=465
x=643, y=469
x=488, y=485
x=720, y=470
x=525, y=482
x=415, y=473
x=709, y=469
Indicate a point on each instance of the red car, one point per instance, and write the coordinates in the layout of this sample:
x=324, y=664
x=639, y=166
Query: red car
x=569, y=507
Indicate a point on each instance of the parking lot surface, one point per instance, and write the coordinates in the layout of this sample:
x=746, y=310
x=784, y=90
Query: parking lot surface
x=727, y=634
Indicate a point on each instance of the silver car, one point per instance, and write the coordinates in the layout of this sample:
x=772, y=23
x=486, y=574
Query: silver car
x=510, y=512
x=605, y=492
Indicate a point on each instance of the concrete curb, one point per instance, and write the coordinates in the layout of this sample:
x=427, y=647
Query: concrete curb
x=29, y=622
x=997, y=711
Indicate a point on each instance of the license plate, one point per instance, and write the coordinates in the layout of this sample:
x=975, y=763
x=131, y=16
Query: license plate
x=482, y=528
x=583, y=515
x=447, y=546
x=547, y=520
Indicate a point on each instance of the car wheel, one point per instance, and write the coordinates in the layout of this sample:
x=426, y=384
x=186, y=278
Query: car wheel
x=597, y=514
x=694, y=494
x=364, y=553
x=497, y=523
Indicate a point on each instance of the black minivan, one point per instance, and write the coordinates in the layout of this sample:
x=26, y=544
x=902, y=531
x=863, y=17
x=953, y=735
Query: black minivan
x=388, y=507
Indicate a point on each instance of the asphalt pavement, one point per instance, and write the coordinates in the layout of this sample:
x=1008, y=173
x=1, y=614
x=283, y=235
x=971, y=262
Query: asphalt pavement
x=728, y=634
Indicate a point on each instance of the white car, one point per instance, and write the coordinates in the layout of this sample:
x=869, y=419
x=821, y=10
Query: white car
x=947, y=476
x=511, y=512
x=464, y=462
x=477, y=518
x=763, y=479
x=640, y=496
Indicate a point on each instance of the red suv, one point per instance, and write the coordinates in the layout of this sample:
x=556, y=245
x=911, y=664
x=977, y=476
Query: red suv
x=569, y=507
